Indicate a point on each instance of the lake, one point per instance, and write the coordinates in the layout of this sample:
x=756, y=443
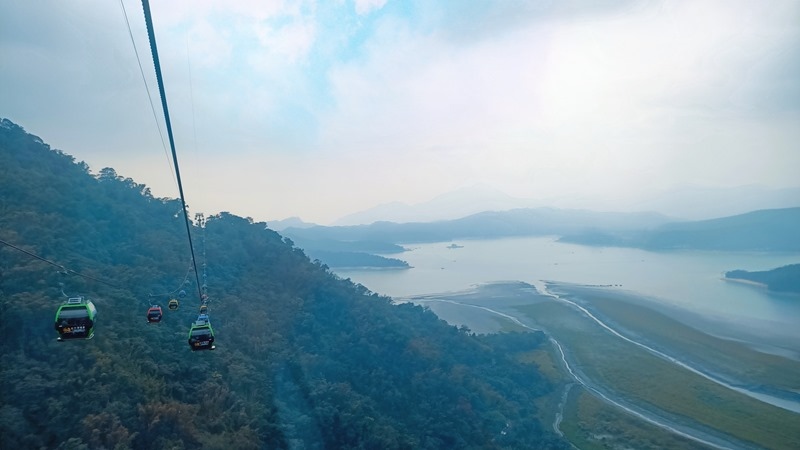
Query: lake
x=685, y=280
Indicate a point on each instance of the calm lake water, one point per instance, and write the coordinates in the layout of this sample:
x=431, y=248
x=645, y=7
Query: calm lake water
x=688, y=280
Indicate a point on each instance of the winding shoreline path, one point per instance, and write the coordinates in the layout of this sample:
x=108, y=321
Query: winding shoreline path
x=661, y=422
x=788, y=405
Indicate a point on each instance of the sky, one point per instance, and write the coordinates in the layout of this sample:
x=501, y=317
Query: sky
x=319, y=109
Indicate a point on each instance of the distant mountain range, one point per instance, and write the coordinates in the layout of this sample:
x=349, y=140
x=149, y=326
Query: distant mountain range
x=452, y=205
x=765, y=230
x=291, y=222
x=355, y=246
x=702, y=203
x=681, y=203
x=489, y=224
x=690, y=217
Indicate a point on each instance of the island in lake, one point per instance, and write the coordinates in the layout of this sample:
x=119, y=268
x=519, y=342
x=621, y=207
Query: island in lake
x=782, y=279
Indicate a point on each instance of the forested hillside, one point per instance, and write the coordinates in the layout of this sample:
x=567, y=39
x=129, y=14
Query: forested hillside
x=304, y=359
x=781, y=279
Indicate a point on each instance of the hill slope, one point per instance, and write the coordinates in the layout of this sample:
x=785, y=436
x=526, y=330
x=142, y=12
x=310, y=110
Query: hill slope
x=485, y=225
x=781, y=279
x=305, y=359
x=764, y=230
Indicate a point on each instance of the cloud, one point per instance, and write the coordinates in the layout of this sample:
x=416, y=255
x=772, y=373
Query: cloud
x=609, y=107
x=293, y=41
x=364, y=7
x=340, y=105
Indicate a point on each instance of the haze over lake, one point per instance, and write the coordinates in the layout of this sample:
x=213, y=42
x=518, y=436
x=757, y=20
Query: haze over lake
x=688, y=280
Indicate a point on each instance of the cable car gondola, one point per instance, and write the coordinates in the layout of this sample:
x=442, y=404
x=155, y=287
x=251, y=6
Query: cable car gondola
x=201, y=335
x=173, y=304
x=203, y=309
x=75, y=319
x=154, y=314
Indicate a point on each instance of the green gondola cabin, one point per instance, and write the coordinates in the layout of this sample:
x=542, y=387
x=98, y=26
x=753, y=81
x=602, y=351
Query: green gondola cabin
x=201, y=336
x=75, y=319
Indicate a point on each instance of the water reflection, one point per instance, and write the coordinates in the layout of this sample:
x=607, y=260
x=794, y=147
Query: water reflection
x=687, y=280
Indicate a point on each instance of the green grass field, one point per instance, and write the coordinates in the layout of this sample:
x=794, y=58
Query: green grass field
x=592, y=424
x=719, y=355
x=589, y=422
x=653, y=383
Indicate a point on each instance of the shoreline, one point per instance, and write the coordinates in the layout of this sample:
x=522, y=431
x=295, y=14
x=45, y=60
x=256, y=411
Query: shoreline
x=368, y=268
x=764, y=286
x=716, y=356
x=520, y=297
x=758, y=339
x=699, y=341
x=748, y=282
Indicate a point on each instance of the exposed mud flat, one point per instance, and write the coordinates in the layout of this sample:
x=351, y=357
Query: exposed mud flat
x=657, y=334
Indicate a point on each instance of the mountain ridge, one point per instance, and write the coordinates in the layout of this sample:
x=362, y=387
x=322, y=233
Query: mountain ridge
x=681, y=203
x=761, y=230
x=450, y=205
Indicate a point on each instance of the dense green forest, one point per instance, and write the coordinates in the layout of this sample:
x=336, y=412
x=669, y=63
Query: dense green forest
x=304, y=359
x=781, y=279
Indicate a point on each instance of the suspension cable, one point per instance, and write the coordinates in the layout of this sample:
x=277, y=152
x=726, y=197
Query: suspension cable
x=62, y=268
x=201, y=220
x=147, y=88
x=154, y=50
x=183, y=283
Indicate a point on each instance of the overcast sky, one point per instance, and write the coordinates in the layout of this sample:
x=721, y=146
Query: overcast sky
x=322, y=108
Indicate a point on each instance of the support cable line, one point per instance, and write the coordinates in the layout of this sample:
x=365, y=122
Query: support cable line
x=75, y=318
x=147, y=88
x=201, y=335
x=62, y=268
x=173, y=292
x=201, y=222
x=154, y=50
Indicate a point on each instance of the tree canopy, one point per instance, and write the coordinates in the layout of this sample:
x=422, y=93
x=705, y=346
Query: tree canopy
x=305, y=359
x=781, y=279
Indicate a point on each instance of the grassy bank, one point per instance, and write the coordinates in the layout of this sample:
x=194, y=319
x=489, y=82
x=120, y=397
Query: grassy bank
x=653, y=383
x=592, y=424
x=730, y=359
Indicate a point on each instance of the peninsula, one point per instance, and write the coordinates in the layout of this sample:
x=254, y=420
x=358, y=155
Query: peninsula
x=781, y=279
